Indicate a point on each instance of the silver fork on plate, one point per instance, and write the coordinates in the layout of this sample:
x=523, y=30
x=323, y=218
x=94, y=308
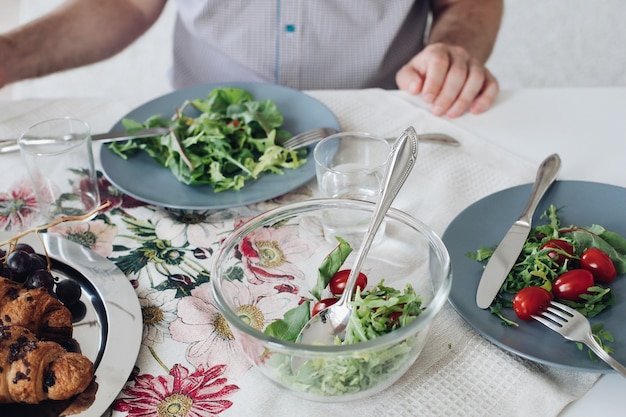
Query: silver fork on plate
x=310, y=136
x=315, y=135
x=572, y=325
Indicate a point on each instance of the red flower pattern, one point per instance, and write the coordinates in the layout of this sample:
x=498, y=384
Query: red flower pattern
x=178, y=394
x=108, y=192
x=18, y=207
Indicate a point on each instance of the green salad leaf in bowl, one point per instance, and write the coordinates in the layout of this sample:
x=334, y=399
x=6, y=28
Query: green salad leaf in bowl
x=288, y=261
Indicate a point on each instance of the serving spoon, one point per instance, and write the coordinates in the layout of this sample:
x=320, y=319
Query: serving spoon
x=331, y=322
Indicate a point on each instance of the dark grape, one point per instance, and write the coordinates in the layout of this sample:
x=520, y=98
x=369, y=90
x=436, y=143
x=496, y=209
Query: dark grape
x=78, y=310
x=38, y=261
x=68, y=292
x=72, y=345
x=18, y=263
x=24, y=247
x=4, y=271
x=40, y=278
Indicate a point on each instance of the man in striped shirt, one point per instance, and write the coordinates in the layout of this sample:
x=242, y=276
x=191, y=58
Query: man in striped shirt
x=437, y=48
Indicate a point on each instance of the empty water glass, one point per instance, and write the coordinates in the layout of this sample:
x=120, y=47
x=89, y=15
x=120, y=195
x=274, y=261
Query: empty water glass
x=58, y=156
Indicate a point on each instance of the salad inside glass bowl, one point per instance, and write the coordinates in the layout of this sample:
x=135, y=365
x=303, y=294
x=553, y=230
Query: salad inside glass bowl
x=271, y=271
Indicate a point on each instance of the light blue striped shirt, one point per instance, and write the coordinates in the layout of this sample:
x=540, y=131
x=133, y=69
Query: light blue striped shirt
x=303, y=44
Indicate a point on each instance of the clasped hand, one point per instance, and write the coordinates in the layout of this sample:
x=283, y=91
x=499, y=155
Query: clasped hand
x=449, y=79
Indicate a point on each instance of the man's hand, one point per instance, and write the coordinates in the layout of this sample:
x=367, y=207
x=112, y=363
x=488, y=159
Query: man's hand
x=449, y=79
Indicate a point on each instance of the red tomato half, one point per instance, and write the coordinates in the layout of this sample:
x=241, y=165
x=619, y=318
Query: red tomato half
x=530, y=301
x=570, y=285
x=338, y=282
x=323, y=304
x=599, y=264
x=564, y=250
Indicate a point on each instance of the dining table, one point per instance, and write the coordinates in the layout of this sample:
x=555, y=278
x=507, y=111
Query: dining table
x=186, y=365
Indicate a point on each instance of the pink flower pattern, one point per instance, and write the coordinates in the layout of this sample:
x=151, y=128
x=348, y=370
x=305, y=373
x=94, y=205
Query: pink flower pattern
x=201, y=325
x=96, y=235
x=271, y=254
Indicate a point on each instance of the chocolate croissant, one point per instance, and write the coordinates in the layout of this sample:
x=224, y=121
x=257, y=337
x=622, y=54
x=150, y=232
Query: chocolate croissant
x=36, y=310
x=32, y=370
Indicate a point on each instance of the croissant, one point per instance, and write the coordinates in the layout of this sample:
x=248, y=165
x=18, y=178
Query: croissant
x=36, y=310
x=32, y=370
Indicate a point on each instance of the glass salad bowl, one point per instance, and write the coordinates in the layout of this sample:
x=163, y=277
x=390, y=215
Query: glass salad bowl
x=266, y=279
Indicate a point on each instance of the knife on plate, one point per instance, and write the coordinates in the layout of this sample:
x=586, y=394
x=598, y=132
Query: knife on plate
x=10, y=145
x=507, y=252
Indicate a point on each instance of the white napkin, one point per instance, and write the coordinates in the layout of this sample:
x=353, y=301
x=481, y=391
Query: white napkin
x=459, y=373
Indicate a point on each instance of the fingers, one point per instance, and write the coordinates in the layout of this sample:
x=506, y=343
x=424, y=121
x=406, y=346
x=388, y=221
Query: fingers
x=476, y=95
x=450, y=80
x=487, y=96
x=409, y=80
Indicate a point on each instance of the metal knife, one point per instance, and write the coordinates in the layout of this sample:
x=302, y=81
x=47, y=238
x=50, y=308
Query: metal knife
x=507, y=252
x=10, y=145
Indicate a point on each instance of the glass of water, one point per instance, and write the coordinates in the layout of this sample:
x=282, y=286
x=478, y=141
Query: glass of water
x=350, y=165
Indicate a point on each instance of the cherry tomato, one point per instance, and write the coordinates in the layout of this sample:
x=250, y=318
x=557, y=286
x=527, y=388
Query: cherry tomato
x=338, y=282
x=564, y=250
x=570, y=285
x=323, y=304
x=599, y=264
x=530, y=301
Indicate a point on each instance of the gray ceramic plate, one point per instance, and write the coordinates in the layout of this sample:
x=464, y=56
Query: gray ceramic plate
x=142, y=178
x=110, y=333
x=485, y=222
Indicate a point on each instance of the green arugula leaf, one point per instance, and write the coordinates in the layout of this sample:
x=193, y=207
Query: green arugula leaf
x=232, y=140
x=381, y=310
x=375, y=313
x=535, y=267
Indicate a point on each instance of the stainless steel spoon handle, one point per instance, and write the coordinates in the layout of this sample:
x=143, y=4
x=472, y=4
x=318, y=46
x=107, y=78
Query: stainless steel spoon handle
x=399, y=165
x=439, y=138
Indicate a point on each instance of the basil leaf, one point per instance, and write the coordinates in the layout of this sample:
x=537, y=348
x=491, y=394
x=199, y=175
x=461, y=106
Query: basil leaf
x=330, y=266
x=608, y=242
x=289, y=327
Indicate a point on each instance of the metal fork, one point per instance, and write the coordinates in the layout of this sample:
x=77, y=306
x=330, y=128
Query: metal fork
x=311, y=136
x=572, y=325
x=308, y=137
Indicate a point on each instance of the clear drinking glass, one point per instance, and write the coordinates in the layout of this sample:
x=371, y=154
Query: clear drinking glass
x=350, y=165
x=58, y=156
